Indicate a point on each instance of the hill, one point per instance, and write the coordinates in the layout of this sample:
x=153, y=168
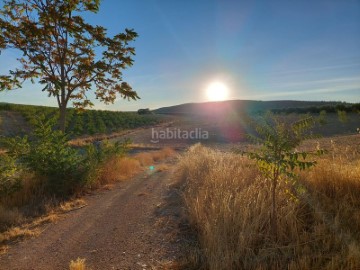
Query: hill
x=244, y=106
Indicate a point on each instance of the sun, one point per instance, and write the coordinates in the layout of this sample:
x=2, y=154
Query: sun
x=217, y=91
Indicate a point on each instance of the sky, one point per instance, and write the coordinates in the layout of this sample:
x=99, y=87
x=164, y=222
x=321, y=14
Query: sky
x=261, y=50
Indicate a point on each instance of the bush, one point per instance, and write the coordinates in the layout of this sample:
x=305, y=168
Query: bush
x=47, y=153
x=49, y=156
x=9, y=180
x=98, y=154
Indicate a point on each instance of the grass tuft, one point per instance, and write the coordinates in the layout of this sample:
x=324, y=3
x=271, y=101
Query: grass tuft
x=78, y=264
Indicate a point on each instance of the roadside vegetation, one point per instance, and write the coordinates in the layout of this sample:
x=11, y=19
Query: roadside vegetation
x=229, y=205
x=39, y=173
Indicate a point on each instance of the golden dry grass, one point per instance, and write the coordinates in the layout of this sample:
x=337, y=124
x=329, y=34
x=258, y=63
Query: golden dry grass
x=72, y=205
x=4, y=249
x=122, y=168
x=144, y=158
x=117, y=169
x=164, y=153
x=162, y=167
x=151, y=157
x=16, y=233
x=14, y=226
x=31, y=187
x=228, y=205
x=29, y=229
x=78, y=264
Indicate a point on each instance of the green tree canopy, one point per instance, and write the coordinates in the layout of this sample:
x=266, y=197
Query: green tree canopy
x=64, y=53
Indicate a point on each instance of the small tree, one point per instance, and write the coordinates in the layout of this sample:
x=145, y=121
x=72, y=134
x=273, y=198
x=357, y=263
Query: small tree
x=64, y=53
x=342, y=116
x=322, y=117
x=277, y=156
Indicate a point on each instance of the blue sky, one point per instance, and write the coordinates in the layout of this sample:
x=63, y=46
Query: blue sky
x=263, y=50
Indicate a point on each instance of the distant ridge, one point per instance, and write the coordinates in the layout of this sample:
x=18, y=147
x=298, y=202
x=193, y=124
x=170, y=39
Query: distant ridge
x=248, y=106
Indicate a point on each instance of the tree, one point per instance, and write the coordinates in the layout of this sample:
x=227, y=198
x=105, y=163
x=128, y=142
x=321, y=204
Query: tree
x=277, y=158
x=64, y=53
x=342, y=116
x=144, y=111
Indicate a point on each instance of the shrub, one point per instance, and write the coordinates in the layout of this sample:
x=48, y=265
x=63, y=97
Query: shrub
x=277, y=157
x=49, y=156
x=99, y=153
x=9, y=179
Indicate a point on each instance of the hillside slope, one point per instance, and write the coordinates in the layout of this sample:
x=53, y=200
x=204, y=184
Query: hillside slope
x=248, y=106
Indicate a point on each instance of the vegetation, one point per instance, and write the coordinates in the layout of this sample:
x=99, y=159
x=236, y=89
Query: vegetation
x=48, y=155
x=78, y=264
x=277, y=158
x=87, y=122
x=42, y=167
x=318, y=109
x=64, y=53
x=41, y=170
x=144, y=111
x=228, y=203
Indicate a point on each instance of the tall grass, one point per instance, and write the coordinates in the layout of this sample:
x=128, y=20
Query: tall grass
x=228, y=204
x=149, y=158
x=116, y=169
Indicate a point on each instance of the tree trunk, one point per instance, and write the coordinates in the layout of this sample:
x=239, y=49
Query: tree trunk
x=273, y=213
x=62, y=119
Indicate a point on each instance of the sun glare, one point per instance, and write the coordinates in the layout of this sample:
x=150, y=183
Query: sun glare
x=217, y=91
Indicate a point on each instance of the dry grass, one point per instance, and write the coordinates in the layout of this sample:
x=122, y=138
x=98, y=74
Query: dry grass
x=149, y=158
x=78, y=264
x=31, y=188
x=10, y=216
x=117, y=169
x=26, y=230
x=17, y=233
x=4, y=249
x=14, y=226
x=162, y=167
x=144, y=158
x=72, y=205
x=163, y=154
x=11, y=207
x=228, y=204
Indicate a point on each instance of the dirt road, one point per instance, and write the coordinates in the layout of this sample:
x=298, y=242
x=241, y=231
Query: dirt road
x=118, y=229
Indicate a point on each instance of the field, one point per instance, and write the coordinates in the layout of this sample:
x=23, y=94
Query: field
x=199, y=203
x=228, y=206
x=89, y=122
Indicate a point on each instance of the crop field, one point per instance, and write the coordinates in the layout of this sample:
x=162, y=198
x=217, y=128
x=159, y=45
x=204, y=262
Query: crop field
x=88, y=122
